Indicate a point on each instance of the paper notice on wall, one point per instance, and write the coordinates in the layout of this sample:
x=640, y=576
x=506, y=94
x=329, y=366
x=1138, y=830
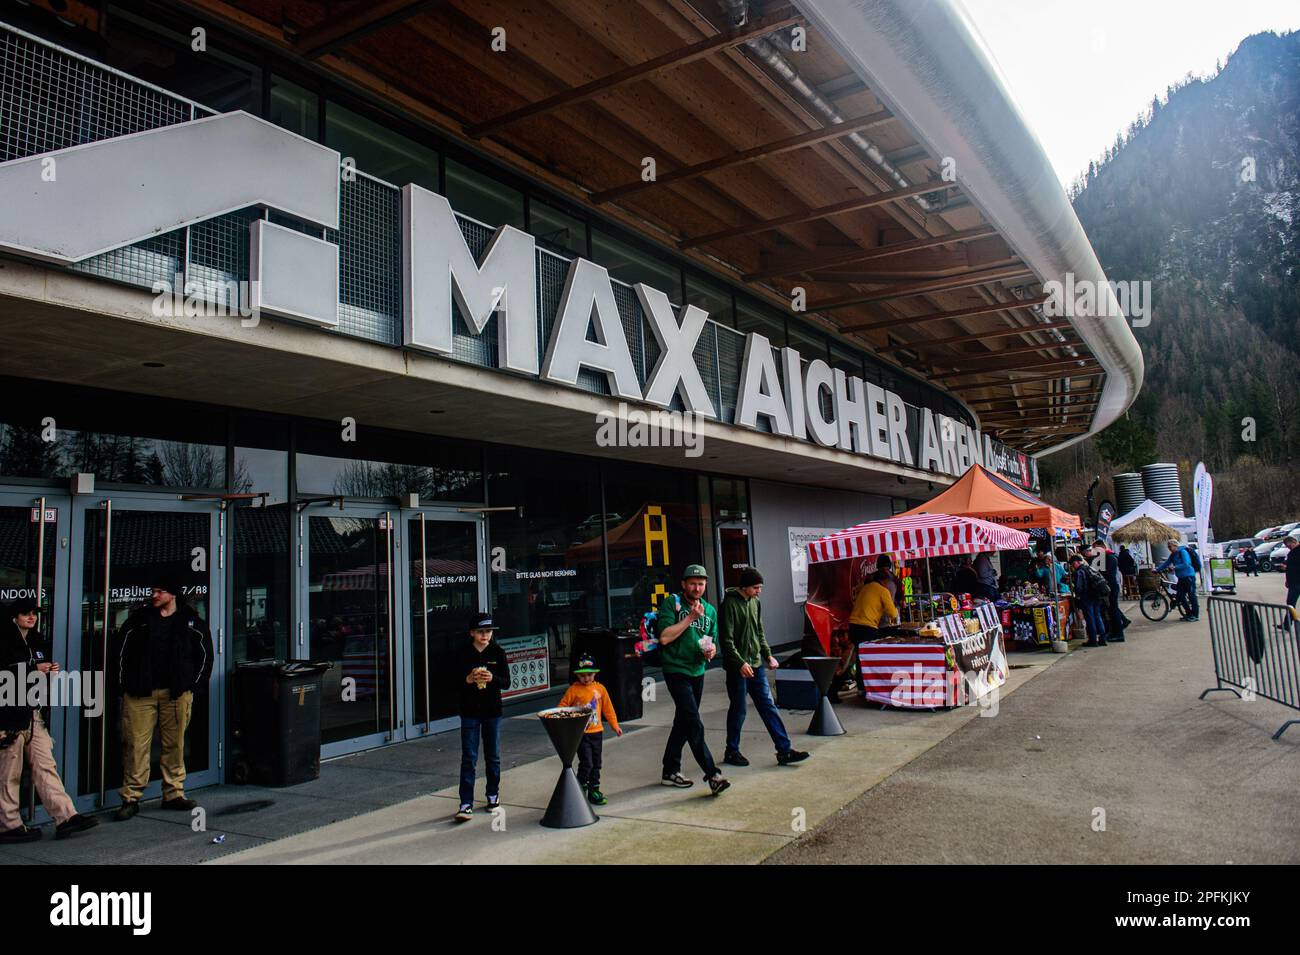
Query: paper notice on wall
x=800, y=537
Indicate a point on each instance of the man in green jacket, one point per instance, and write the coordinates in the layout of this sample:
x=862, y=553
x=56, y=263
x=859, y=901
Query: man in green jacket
x=745, y=652
x=687, y=627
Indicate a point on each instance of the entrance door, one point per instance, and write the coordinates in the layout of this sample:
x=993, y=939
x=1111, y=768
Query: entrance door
x=446, y=582
x=347, y=610
x=733, y=541
x=124, y=543
x=34, y=564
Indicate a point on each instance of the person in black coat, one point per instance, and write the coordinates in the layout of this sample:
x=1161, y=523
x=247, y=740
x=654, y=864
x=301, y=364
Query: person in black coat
x=24, y=650
x=482, y=672
x=163, y=654
x=1292, y=578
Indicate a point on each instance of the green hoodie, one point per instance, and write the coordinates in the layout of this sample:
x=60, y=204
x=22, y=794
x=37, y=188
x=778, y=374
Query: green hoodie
x=740, y=630
x=684, y=655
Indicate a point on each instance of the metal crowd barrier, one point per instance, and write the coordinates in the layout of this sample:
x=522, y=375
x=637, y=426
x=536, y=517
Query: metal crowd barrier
x=1256, y=650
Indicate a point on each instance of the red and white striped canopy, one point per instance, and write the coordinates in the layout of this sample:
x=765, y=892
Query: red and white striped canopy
x=921, y=535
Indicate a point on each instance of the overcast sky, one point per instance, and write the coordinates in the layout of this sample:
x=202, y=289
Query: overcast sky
x=1082, y=70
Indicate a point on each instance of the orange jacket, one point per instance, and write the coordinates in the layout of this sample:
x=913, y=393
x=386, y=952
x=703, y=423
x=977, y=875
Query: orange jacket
x=594, y=697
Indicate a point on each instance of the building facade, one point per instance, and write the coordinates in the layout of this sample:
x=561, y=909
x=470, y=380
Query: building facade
x=353, y=379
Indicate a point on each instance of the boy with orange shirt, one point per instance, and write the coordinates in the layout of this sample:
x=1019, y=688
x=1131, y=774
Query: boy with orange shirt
x=591, y=695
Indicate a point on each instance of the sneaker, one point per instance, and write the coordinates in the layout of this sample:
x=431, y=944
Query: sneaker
x=465, y=813
x=717, y=784
x=676, y=779
x=19, y=834
x=126, y=810
x=74, y=824
x=1114, y=639
x=1091, y=643
x=179, y=804
x=735, y=759
x=493, y=802
x=596, y=797
x=791, y=756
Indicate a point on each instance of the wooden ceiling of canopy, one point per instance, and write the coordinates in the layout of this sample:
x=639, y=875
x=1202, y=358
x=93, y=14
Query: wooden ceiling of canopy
x=752, y=182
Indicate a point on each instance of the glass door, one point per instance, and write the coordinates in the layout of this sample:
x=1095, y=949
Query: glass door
x=33, y=563
x=733, y=541
x=347, y=597
x=446, y=582
x=124, y=544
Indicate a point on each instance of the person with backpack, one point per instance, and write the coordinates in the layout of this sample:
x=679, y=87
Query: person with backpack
x=745, y=653
x=687, y=627
x=1186, y=564
x=1091, y=591
x=1105, y=562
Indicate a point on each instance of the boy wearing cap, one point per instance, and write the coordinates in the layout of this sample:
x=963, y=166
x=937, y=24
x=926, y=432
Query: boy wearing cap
x=482, y=672
x=745, y=652
x=591, y=695
x=687, y=626
x=164, y=654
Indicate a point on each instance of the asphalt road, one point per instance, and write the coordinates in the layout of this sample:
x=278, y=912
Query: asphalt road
x=1108, y=757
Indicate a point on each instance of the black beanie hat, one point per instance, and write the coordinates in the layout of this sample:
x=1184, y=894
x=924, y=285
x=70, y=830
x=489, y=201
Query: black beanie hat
x=750, y=577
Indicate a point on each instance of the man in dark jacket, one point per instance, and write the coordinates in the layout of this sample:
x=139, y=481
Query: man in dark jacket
x=163, y=655
x=482, y=672
x=24, y=651
x=1109, y=568
x=1085, y=592
x=745, y=652
x=1292, y=578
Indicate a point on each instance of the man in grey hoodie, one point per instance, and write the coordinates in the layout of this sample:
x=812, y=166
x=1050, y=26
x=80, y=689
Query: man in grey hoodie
x=745, y=652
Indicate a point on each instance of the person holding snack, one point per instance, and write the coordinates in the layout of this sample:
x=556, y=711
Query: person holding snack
x=687, y=627
x=483, y=673
x=591, y=695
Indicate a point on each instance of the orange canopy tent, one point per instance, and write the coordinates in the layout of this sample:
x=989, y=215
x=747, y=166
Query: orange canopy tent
x=981, y=493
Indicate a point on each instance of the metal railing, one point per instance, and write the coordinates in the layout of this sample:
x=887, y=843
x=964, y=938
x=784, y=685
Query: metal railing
x=1256, y=651
x=52, y=98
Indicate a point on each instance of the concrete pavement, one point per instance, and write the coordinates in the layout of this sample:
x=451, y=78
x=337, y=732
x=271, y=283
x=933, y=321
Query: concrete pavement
x=766, y=808
x=1116, y=730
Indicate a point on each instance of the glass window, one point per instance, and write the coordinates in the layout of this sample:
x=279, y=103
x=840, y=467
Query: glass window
x=55, y=431
x=810, y=342
x=730, y=499
x=383, y=464
x=294, y=108
x=751, y=317
x=261, y=595
x=556, y=230
x=630, y=265
x=849, y=362
x=654, y=532
x=475, y=195
x=714, y=299
x=553, y=581
x=379, y=151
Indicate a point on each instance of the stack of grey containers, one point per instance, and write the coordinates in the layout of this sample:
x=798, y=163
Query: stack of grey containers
x=1128, y=491
x=1160, y=484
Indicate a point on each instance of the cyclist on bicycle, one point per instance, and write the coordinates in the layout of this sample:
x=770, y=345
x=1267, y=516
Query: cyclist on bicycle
x=1181, y=562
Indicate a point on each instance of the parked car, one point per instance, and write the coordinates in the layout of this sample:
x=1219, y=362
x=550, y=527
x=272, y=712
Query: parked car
x=1276, y=559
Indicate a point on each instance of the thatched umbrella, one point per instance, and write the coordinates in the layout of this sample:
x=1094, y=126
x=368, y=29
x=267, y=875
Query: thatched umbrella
x=1145, y=530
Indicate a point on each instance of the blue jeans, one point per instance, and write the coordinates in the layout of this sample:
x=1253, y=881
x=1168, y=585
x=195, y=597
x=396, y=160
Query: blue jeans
x=1185, y=593
x=757, y=687
x=1093, y=621
x=471, y=730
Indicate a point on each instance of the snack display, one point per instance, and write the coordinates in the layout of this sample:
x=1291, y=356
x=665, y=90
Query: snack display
x=565, y=713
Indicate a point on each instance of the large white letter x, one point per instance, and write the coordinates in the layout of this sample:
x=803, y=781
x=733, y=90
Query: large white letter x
x=675, y=370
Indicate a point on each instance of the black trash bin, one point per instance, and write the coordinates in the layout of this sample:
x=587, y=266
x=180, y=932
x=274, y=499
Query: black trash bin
x=277, y=721
x=620, y=667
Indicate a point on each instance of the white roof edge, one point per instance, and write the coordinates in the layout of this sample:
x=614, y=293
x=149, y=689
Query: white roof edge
x=928, y=63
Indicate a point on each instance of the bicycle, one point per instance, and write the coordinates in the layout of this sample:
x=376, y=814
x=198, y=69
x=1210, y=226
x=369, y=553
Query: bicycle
x=1155, y=604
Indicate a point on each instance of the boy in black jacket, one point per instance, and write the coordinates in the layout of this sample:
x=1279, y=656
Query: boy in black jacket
x=164, y=654
x=483, y=673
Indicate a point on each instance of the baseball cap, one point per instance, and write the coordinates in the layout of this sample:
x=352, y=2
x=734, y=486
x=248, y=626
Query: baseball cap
x=695, y=570
x=586, y=665
x=482, y=621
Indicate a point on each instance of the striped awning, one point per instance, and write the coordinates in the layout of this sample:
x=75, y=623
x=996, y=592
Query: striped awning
x=921, y=535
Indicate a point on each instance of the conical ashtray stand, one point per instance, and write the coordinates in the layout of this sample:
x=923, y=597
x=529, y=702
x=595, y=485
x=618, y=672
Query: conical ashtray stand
x=824, y=721
x=568, y=808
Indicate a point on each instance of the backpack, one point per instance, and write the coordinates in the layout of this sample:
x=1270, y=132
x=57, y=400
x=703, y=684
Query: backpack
x=1098, y=586
x=1195, y=558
